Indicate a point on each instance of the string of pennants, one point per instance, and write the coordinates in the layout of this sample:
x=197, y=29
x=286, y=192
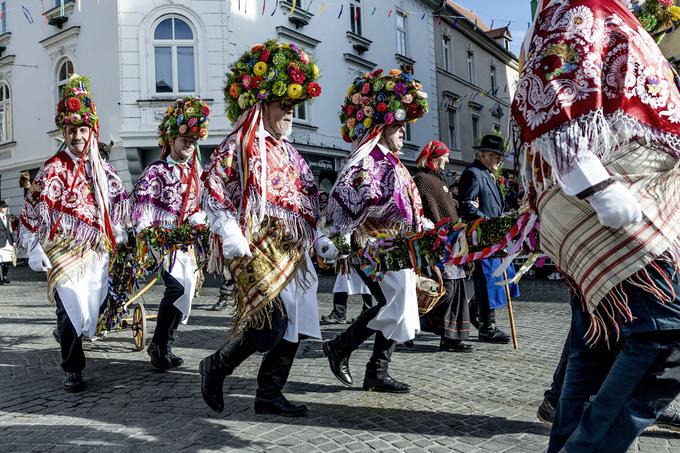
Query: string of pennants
x=242, y=5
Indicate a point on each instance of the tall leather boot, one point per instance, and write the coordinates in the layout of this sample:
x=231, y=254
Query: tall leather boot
x=377, y=377
x=339, y=349
x=218, y=366
x=175, y=361
x=271, y=378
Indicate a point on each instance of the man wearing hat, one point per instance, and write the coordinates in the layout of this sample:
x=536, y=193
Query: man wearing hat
x=263, y=207
x=480, y=196
x=168, y=195
x=75, y=213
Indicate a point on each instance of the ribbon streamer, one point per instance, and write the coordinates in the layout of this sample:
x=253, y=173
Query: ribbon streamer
x=264, y=6
x=27, y=14
x=292, y=10
x=342, y=7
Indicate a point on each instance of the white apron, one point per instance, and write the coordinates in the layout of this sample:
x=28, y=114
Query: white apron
x=84, y=292
x=350, y=283
x=398, y=320
x=184, y=271
x=301, y=304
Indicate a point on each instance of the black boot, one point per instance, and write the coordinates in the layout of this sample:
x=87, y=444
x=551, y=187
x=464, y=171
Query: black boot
x=175, y=361
x=73, y=382
x=454, y=346
x=377, y=377
x=159, y=356
x=339, y=313
x=271, y=378
x=338, y=362
x=279, y=406
x=489, y=333
x=218, y=366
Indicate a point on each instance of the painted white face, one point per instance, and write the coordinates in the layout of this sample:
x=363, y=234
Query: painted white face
x=76, y=139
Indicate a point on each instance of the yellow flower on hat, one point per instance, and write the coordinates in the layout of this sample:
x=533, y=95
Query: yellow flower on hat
x=368, y=122
x=260, y=68
x=294, y=91
x=315, y=70
x=390, y=85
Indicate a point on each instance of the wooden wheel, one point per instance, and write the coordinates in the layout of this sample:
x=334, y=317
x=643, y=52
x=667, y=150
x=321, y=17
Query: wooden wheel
x=139, y=326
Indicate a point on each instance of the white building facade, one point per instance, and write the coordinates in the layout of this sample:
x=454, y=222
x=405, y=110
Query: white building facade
x=476, y=79
x=143, y=54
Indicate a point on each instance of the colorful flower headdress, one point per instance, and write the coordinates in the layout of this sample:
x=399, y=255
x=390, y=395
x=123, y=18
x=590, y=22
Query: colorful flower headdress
x=656, y=14
x=270, y=72
x=187, y=116
x=378, y=98
x=76, y=106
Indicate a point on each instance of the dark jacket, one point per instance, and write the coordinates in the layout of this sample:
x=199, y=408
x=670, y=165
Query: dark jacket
x=477, y=184
x=5, y=234
x=437, y=200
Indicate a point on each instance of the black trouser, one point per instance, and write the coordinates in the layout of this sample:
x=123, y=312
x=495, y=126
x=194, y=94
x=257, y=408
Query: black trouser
x=72, y=355
x=480, y=308
x=340, y=303
x=276, y=362
x=4, y=270
x=169, y=316
x=358, y=332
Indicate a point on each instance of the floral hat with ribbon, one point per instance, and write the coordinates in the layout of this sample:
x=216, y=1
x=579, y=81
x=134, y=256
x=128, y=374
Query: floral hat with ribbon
x=378, y=98
x=76, y=106
x=656, y=14
x=270, y=72
x=186, y=116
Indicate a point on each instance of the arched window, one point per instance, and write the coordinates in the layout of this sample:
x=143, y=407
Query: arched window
x=64, y=71
x=174, y=45
x=5, y=113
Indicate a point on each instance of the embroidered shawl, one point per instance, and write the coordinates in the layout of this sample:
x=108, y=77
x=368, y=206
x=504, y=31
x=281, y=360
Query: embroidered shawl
x=292, y=197
x=60, y=194
x=167, y=194
x=593, y=80
x=375, y=194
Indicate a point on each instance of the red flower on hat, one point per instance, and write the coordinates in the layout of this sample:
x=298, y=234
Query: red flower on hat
x=314, y=89
x=206, y=110
x=264, y=56
x=382, y=107
x=256, y=82
x=73, y=104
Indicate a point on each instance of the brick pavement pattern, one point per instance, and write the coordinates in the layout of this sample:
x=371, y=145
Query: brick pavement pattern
x=480, y=402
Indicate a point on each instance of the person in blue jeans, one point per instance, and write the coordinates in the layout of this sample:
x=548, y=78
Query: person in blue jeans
x=633, y=382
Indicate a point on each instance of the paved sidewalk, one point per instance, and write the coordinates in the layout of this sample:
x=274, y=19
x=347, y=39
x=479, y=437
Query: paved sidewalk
x=480, y=402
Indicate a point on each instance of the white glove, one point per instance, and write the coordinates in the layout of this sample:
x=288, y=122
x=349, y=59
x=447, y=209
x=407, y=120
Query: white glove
x=121, y=235
x=616, y=207
x=234, y=243
x=38, y=260
x=325, y=248
x=428, y=224
x=198, y=218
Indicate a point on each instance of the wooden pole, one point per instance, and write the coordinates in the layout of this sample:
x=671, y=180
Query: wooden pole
x=141, y=292
x=511, y=315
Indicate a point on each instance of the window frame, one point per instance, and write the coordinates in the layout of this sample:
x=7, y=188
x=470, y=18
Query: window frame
x=61, y=82
x=494, y=79
x=475, y=129
x=408, y=133
x=452, y=112
x=296, y=117
x=471, y=66
x=401, y=32
x=3, y=10
x=6, y=122
x=355, y=26
x=446, y=52
x=174, y=44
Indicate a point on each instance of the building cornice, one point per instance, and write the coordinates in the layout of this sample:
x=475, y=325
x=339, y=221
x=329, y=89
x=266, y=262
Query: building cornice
x=71, y=32
x=362, y=62
x=302, y=38
x=472, y=86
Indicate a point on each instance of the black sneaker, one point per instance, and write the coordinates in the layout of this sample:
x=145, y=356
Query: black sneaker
x=668, y=420
x=546, y=412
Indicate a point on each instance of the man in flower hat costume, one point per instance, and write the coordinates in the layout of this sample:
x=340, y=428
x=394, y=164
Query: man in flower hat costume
x=597, y=120
x=263, y=208
x=75, y=213
x=168, y=194
x=375, y=194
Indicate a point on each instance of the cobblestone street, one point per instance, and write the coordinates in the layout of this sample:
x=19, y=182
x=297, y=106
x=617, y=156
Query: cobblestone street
x=485, y=401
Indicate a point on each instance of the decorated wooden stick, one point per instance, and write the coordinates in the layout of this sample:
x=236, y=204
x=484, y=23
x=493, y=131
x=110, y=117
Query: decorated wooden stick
x=511, y=315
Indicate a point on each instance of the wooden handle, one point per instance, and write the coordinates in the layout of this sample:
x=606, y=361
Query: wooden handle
x=511, y=315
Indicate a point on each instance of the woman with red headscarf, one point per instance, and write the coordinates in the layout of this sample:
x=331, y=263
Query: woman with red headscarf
x=450, y=318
